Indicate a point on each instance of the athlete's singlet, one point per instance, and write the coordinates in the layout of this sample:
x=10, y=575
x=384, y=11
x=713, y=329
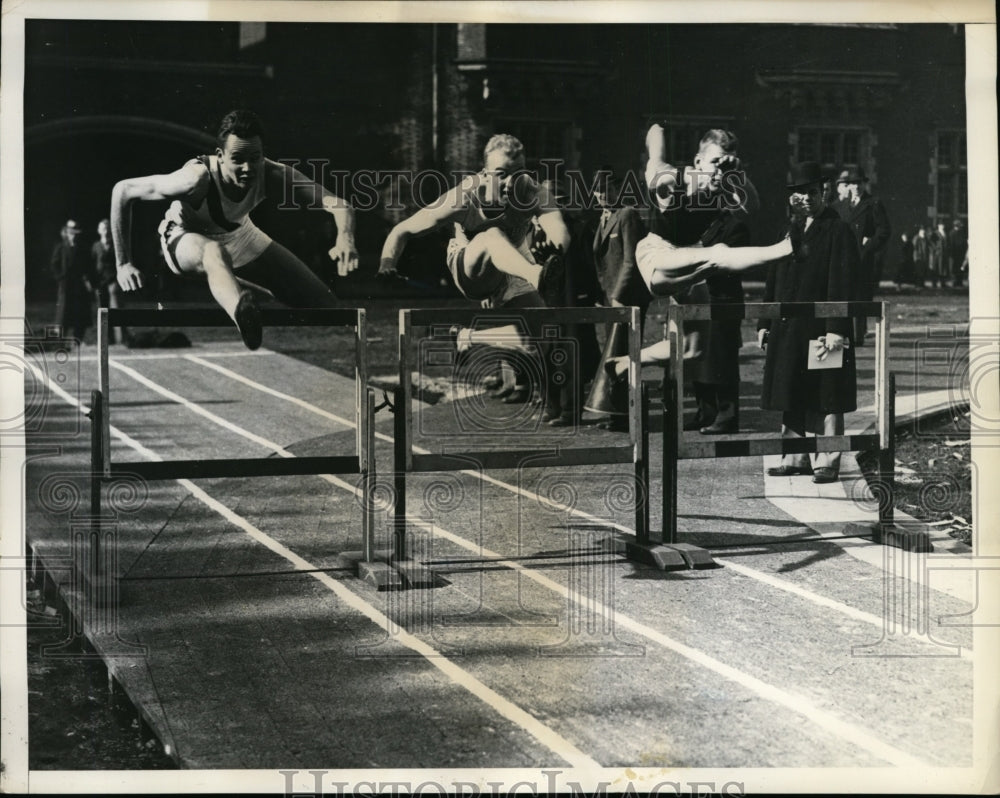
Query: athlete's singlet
x=216, y=213
x=217, y=217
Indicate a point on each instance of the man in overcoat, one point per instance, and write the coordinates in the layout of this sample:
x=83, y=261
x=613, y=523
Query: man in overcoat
x=867, y=217
x=825, y=260
x=70, y=267
x=619, y=230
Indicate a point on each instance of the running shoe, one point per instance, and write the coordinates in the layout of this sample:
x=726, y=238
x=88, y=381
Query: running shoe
x=248, y=321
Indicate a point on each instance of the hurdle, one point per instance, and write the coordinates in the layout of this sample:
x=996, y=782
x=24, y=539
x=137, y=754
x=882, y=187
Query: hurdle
x=882, y=440
x=546, y=322
x=103, y=470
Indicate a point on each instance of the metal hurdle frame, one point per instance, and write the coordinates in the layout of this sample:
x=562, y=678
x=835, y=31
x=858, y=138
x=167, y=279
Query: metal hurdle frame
x=882, y=439
x=362, y=463
x=407, y=461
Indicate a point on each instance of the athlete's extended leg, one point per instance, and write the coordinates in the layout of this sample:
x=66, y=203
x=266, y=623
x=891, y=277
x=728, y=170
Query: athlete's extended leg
x=289, y=279
x=196, y=254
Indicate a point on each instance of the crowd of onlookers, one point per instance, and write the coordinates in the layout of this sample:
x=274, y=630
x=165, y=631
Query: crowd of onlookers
x=933, y=255
x=86, y=276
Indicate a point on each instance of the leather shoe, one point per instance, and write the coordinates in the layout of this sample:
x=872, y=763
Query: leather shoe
x=563, y=421
x=720, y=428
x=824, y=475
x=789, y=471
x=694, y=423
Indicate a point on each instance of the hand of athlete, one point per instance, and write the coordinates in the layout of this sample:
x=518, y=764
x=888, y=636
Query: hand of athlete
x=129, y=277
x=345, y=254
x=543, y=249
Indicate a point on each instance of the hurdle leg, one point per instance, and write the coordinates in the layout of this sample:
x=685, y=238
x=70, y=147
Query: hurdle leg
x=369, y=566
x=660, y=554
x=886, y=531
x=414, y=574
x=93, y=570
x=642, y=472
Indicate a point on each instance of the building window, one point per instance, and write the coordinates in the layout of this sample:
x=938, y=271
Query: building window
x=833, y=148
x=949, y=176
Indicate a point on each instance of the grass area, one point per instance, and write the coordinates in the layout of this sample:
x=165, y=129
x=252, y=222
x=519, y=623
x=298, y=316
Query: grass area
x=933, y=480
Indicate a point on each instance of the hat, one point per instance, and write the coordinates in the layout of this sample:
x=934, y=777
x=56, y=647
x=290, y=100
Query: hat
x=72, y=225
x=852, y=174
x=605, y=177
x=805, y=174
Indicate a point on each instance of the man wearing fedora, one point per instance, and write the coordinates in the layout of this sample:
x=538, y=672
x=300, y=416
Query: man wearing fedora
x=822, y=268
x=70, y=266
x=867, y=217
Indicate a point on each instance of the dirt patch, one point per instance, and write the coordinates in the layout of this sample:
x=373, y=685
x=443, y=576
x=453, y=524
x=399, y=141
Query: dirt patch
x=76, y=721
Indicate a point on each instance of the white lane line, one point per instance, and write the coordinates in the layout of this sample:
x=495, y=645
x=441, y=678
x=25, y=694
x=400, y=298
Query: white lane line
x=542, y=733
x=524, y=493
x=773, y=581
x=799, y=704
x=177, y=355
x=859, y=615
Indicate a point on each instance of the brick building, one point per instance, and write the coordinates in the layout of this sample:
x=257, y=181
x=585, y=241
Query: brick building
x=104, y=100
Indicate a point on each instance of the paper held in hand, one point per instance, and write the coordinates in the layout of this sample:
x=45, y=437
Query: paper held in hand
x=833, y=360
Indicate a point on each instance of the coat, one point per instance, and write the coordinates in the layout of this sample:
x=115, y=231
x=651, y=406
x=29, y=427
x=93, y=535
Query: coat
x=870, y=225
x=70, y=267
x=821, y=270
x=614, y=259
x=719, y=363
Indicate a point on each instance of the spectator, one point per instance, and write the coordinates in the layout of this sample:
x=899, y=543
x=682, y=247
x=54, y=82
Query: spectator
x=71, y=271
x=958, y=244
x=904, y=267
x=937, y=241
x=824, y=262
x=618, y=231
x=105, y=271
x=868, y=220
x=920, y=254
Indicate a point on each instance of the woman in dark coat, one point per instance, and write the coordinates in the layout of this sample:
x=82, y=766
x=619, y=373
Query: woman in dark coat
x=811, y=400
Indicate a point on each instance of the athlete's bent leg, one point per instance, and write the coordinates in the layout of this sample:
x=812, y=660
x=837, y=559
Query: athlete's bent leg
x=491, y=250
x=196, y=254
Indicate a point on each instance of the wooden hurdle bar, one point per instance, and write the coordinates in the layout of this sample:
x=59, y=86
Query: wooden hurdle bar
x=675, y=448
x=103, y=470
x=635, y=452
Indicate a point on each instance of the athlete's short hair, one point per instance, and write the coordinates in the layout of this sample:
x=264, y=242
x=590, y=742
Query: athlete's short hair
x=241, y=123
x=506, y=143
x=725, y=139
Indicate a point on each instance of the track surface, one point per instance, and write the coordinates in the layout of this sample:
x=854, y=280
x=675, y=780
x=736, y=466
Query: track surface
x=537, y=648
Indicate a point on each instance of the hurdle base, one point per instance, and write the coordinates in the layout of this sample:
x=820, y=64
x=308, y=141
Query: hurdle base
x=378, y=573
x=665, y=556
x=892, y=535
x=414, y=574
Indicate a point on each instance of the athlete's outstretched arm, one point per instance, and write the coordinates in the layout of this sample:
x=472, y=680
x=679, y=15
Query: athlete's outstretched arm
x=187, y=181
x=739, y=259
x=289, y=181
x=668, y=269
x=444, y=210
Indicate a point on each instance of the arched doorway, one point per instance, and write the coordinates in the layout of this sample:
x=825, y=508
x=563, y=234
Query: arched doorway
x=70, y=168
